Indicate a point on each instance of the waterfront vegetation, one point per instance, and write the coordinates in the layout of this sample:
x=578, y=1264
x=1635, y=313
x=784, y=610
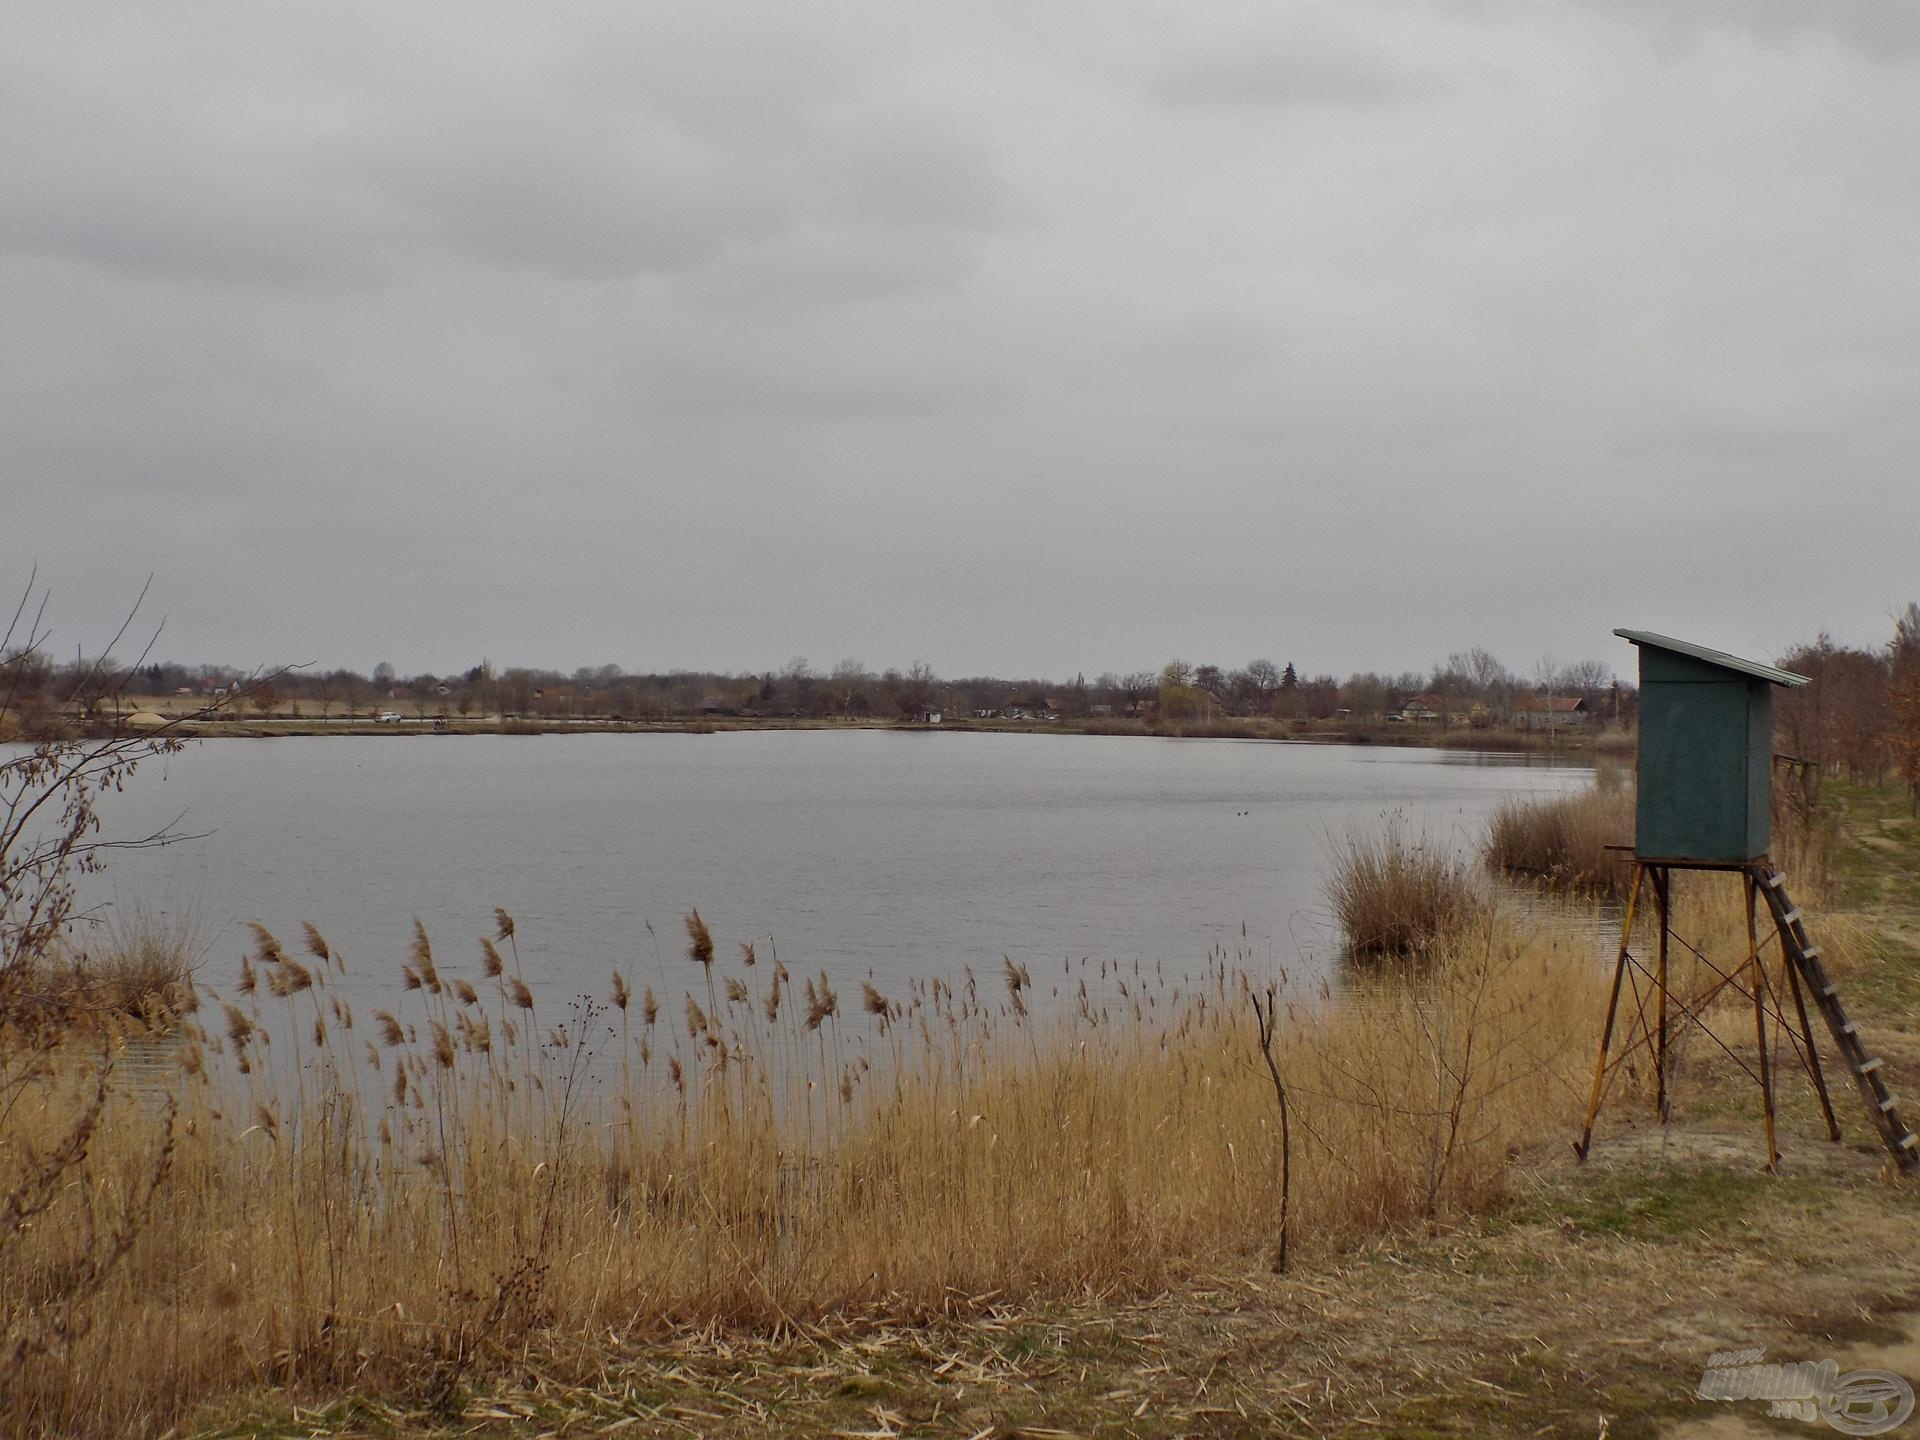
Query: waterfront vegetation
x=1563, y=842
x=495, y=1177
x=755, y=1201
x=492, y=1180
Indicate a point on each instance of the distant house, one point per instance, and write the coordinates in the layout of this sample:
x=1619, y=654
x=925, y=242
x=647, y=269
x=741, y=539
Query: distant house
x=1424, y=709
x=931, y=717
x=1550, y=712
x=1035, y=707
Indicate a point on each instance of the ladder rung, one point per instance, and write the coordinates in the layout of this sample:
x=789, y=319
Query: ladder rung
x=1886, y=1104
x=1867, y=1067
x=1775, y=879
x=1792, y=917
x=1909, y=1141
x=1827, y=992
x=1850, y=1028
x=1809, y=952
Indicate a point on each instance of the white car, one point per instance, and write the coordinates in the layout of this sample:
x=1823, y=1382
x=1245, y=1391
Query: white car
x=387, y=717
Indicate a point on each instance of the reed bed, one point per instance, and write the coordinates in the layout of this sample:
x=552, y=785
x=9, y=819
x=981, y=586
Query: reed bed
x=492, y=1176
x=1395, y=896
x=1562, y=842
x=137, y=969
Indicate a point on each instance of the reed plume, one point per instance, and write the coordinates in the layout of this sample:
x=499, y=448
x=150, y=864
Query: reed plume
x=239, y=1027
x=822, y=1003
x=699, y=940
x=421, y=952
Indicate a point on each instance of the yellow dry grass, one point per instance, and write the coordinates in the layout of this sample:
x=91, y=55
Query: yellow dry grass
x=1394, y=895
x=1563, y=841
x=404, y=1202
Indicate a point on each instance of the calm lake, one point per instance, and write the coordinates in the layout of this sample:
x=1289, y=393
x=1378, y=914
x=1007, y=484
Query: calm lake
x=891, y=853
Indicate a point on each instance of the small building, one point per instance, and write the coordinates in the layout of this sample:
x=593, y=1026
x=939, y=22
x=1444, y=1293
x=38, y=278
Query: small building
x=1550, y=712
x=1704, y=782
x=1037, y=707
x=1424, y=709
x=931, y=717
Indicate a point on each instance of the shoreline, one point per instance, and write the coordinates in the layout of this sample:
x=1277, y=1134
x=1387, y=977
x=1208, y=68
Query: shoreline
x=1583, y=744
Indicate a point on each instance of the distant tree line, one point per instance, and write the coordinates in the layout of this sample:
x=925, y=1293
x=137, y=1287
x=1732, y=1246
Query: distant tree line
x=1471, y=685
x=1859, y=718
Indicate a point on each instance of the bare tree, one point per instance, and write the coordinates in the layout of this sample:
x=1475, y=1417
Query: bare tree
x=51, y=830
x=1903, y=699
x=850, y=680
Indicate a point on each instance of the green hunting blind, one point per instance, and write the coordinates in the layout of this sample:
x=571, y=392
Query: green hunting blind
x=1705, y=781
x=1704, y=801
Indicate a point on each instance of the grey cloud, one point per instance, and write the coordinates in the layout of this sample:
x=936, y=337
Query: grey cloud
x=121, y=190
x=1288, y=64
x=659, y=162
x=580, y=198
x=615, y=194
x=817, y=264
x=900, y=167
x=1079, y=336
x=789, y=383
x=1885, y=29
x=1209, y=343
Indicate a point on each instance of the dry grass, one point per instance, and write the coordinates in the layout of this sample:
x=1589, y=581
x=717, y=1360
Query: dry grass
x=1562, y=842
x=135, y=969
x=403, y=1203
x=1395, y=896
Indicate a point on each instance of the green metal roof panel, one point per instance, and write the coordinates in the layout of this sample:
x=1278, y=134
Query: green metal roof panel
x=1714, y=657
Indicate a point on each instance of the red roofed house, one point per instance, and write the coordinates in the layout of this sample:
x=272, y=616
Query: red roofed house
x=1550, y=712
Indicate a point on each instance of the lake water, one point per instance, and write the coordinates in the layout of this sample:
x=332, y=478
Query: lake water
x=892, y=853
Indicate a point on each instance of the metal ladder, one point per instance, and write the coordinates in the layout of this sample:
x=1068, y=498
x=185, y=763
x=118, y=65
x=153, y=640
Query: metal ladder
x=1866, y=1069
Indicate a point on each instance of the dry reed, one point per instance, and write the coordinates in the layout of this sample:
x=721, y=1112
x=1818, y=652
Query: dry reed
x=1562, y=842
x=1395, y=896
x=404, y=1219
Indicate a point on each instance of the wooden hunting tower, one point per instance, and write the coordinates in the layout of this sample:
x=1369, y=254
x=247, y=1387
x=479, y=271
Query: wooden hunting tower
x=1705, y=779
x=1704, y=801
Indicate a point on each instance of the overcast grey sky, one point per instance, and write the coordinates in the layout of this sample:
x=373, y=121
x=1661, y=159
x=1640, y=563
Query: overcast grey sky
x=1023, y=338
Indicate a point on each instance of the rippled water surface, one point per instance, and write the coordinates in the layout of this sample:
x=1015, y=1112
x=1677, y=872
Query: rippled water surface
x=899, y=853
